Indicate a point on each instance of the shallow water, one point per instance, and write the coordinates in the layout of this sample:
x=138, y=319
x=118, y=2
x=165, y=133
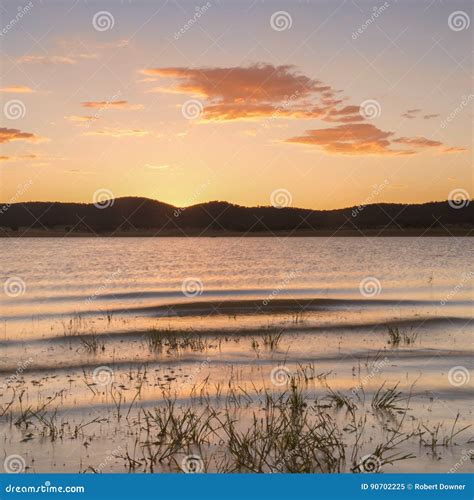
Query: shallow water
x=333, y=300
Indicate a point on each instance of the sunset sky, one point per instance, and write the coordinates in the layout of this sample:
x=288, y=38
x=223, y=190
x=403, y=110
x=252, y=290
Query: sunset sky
x=238, y=102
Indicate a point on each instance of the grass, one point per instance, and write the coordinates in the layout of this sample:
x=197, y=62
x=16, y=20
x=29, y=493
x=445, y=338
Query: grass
x=241, y=430
x=92, y=344
x=272, y=339
x=290, y=433
x=387, y=399
x=397, y=337
x=432, y=437
x=159, y=339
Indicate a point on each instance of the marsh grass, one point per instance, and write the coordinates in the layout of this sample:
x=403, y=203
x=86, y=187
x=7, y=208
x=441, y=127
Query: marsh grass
x=92, y=344
x=159, y=339
x=289, y=433
x=397, y=336
x=387, y=399
x=433, y=438
x=271, y=340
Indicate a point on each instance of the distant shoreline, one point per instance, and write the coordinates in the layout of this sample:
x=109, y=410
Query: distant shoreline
x=348, y=233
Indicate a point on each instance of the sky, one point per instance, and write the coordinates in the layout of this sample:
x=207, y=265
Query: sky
x=324, y=104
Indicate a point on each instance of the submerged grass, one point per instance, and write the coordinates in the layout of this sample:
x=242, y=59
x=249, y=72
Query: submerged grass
x=397, y=336
x=159, y=339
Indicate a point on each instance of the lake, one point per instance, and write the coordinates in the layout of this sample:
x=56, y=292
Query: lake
x=97, y=332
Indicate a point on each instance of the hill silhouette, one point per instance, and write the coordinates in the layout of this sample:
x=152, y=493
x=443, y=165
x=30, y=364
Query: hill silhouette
x=133, y=214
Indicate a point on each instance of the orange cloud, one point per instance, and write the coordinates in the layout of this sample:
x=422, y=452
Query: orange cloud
x=418, y=142
x=111, y=105
x=252, y=92
x=13, y=134
x=453, y=150
x=116, y=132
x=257, y=83
x=264, y=91
x=46, y=59
x=21, y=157
x=81, y=119
x=17, y=89
x=351, y=139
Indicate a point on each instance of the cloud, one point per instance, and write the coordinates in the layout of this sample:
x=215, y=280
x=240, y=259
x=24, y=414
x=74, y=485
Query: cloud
x=366, y=139
x=19, y=157
x=453, y=150
x=17, y=89
x=264, y=91
x=252, y=92
x=411, y=113
x=415, y=113
x=418, y=142
x=46, y=59
x=13, y=134
x=111, y=105
x=351, y=139
x=81, y=119
x=117, y=132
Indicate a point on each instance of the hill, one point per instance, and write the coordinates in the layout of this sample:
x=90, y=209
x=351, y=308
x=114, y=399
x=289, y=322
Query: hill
x=136, y=216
